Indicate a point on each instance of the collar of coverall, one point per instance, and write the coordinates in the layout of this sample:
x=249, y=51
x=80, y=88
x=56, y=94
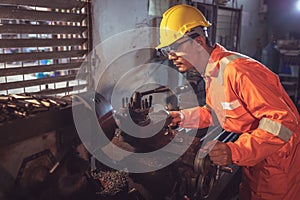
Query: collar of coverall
x=213, y=66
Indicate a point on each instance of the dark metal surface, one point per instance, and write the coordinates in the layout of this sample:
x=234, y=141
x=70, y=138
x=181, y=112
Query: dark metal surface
x=187, y=178
x=20, y=123
x=210, y=174
x=30, y=158
x=91, y=102
x=193, y=177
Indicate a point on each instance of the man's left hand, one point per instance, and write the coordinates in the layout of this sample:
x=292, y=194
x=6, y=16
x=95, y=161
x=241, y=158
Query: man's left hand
x=220, y=154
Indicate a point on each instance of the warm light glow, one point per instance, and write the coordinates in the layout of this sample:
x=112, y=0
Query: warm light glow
x=298, y=5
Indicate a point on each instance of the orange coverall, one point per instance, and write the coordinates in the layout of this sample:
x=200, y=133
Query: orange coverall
x=247, y=98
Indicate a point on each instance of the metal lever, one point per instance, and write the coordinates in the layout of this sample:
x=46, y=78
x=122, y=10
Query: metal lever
x=156, y=90
x=223, y=169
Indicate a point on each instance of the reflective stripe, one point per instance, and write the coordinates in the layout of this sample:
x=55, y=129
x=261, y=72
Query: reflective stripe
x=275, y=128
x=224, y=62
x=231, y=105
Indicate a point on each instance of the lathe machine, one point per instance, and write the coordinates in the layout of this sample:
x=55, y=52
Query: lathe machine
x=90, y=166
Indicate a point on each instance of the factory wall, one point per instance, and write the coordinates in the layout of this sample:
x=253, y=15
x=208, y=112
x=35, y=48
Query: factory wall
x=122, y=44
x=253, y=27
x=112, y=17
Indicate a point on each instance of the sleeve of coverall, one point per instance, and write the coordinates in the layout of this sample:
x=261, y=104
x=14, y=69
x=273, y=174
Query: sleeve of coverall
x=197, y=117
x=263, y=98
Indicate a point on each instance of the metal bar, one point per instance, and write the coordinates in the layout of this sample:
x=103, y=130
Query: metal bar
x=41, y=29
x=213, y=134
x=228, y=137
x=15, y=13
x=228, y=8
x=41, y=55
x=39, y=68
x=36, y=42
x=42, y=3
x=90, y=45
x=61, y=90
x=239, y=29
x=28, y=83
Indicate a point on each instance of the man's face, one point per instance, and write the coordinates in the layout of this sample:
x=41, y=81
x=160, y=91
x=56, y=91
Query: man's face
x=187, y=54
x=180, y=57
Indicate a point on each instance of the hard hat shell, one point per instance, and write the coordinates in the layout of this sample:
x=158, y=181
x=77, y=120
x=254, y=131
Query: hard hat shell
x=177, y=21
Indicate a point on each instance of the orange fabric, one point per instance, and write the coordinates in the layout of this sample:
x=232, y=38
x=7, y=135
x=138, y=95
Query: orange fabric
x=195, y=120
x=248, y=92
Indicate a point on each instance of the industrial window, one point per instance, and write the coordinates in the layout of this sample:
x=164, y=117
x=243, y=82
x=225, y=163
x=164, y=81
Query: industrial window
x=42, y=45
x=226, y=24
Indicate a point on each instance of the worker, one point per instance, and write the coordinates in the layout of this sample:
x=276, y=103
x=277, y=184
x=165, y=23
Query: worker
x=242, y=96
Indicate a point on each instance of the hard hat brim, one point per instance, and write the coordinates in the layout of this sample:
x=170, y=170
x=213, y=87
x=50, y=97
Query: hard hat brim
x=161, y=46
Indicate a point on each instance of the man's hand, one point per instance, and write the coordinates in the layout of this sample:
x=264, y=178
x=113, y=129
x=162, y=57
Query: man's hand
x=176, y=118
x=220, y=154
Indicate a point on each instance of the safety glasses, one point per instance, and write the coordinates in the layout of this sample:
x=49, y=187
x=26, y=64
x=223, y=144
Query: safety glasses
x=165, y=51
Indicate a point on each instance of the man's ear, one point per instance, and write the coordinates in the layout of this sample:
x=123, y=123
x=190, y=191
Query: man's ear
x=200, y=40
x=201, y=43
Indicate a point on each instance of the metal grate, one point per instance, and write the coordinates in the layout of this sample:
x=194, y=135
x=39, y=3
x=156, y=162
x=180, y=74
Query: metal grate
x=228, y=27
x=42, y=45
x=226, y=24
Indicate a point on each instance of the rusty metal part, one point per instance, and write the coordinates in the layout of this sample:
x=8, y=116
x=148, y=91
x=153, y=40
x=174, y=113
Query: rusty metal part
x=226, y=169
x=205, y=184
x=207, y=175
x=23, y=105
x=208, y=172
x=222, y=169
x=201, y=165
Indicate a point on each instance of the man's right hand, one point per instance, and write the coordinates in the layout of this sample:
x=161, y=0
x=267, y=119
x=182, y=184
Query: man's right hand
x=177, y=118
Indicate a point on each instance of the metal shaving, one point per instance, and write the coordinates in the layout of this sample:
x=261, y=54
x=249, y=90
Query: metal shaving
x=112, y=182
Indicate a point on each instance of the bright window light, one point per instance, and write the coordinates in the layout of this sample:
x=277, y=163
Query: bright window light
x=298, y=5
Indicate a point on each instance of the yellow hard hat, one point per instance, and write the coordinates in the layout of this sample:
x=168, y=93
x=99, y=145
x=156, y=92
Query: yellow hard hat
x=177, y=21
